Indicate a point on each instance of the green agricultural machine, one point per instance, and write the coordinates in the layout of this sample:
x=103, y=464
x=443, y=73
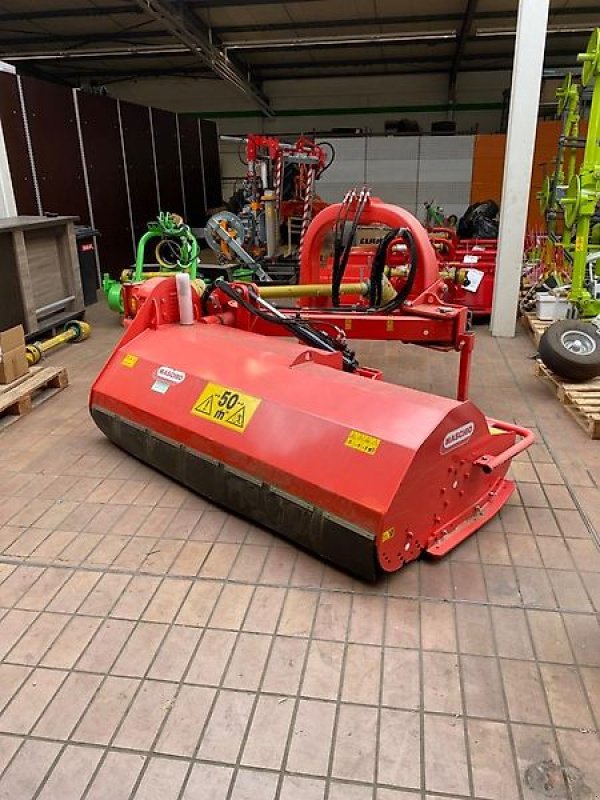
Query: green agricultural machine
x=175, y=251
x=571, y=347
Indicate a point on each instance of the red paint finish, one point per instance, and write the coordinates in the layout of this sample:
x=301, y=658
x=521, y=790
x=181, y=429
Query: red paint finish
x=425, y=486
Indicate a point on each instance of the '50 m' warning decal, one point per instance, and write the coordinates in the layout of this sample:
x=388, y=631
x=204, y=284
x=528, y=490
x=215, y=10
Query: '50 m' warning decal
x=226, y=406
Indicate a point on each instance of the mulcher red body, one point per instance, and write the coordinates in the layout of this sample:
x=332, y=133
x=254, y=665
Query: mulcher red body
x=366, y=474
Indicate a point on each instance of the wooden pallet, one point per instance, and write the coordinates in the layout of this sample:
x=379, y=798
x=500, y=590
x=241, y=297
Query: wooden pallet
x=581, y=400
x=24, y=394
x=535, y=326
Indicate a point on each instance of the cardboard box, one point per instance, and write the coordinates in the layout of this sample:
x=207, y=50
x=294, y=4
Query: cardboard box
x=13, y=356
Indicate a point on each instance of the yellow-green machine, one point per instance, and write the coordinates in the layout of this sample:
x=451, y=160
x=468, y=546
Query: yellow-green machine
x=571, y=347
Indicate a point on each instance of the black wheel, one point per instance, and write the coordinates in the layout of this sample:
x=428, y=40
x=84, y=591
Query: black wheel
x=571, y=349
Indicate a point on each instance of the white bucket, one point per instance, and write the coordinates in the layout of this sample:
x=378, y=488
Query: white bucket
x=550, y=307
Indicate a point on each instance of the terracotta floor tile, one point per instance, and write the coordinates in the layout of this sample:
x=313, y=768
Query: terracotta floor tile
x=74, y=592
x=163, y=779
x=145, y=715
x=400, y=748
x=231, y=606
x=297, y=788
x=37, y=639
x=248, y=564
x=21, y=714
x=441, y=685
x=104, y=594
x=106, y=711
x=67, y=706
x=268, y=732
x=27, y=770
x=285, y=664
x=71, y=774
x=582, y=751
x=511, y=632
x=568, y=704
x=333, y=615
x=323, y=670
x=310, y=742
x=199, y=603
x=190, y=559
x=339, y=790
x=8, y=747
x=19, y=582
x=438, y=628
x=362, y=674
x=298, y=613
x=366, y=619
x=187, y=716
x=248, y=785
x=445, y=755
x=491, y=760
x=354, y=755
x=106, y=645
x=248, y=661
x=167, y=600
x=223, y=736
x=211, y=658
x=138, y=653
x=534, y=745
x=116, y=777
x=583, y=634
x=402, y=625
x=524, y=693
x=220, y=560
x=265, y=609
x=175, y=653
x=483, y=688
x=401, y=678
x=549, y=637
x=71, y=642
x=208, y=779
x=135, y=598
x=569, y=591
x=12, y=626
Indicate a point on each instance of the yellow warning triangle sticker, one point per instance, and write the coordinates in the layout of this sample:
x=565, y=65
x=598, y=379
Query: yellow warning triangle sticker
x=237, y=418
x=206, y=406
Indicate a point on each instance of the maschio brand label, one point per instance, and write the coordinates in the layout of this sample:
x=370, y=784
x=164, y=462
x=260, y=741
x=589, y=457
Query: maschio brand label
x=458, y=436
x=170, y=375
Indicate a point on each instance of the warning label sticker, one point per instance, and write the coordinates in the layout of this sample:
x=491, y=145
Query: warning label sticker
x=363, y=442
x=226, y=406
x=129, y=360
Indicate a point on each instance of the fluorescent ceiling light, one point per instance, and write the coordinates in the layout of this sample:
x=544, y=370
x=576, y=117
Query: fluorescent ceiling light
x=489, y=32
x=367, y=38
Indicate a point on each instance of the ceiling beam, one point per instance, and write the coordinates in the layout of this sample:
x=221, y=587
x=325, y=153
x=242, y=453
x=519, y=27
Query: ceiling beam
x=186, y=28
x=361, y=22
x=461, y=43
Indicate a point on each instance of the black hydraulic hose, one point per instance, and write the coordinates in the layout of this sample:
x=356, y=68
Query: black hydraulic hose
x=405, y=291
x=338, y=233
x=338, y=276
x=301, y=329
x=378, y=267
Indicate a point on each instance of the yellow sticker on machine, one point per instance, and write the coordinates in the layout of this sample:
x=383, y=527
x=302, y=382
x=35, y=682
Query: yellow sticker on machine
x=389, y=534
x=226, y=406
x=579, y=244
x=129, y=360
x=362, y=442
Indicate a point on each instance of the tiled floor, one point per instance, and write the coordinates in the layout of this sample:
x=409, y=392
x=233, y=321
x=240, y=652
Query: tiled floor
x=155, y=647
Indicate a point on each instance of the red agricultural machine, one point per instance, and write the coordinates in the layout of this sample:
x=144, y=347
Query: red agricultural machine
x=297, y=435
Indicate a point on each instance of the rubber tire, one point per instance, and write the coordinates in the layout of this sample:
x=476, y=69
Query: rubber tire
x=572, y=366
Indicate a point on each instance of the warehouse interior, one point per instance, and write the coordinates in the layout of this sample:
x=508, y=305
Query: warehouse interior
x=299, y=400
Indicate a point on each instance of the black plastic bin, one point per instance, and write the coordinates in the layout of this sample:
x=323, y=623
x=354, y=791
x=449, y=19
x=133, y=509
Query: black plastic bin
x=86, y=251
